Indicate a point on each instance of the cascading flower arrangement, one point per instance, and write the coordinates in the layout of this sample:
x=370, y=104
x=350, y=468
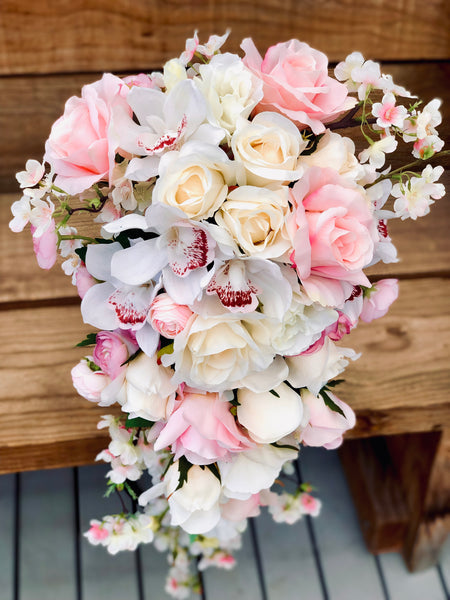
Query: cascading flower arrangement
x=234, y=225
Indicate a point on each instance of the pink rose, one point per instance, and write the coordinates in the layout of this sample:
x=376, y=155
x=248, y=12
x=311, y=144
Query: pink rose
x=335, y=237
x=88, y=383
x=45, y=246
x=325, y=426
x=110, y=353
x=202, y=428
x=80, y=148
x=296, y=83
x=168, y=317
x=378, y=299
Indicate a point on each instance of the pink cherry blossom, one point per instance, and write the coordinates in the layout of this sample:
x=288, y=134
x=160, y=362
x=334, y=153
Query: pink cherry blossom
x=168, y=317
x=32, y=175
x=296, y=83
x=83, y=280
x=378, y=299
x=140, y=80
x=202, y=428
x=388, y=113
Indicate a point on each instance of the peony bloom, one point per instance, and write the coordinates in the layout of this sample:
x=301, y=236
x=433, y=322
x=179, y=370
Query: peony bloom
x=325, y=426
x=378, y=299
x=296, y=83
x=88, y=383
x=202, y=428
x=80, y=148
x=335, y=237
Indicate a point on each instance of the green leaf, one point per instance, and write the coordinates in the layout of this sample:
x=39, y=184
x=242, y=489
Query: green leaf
x=214, y=470
x=132, y=357
x=138, y=422
x=287, y=446
x=165, y=350
x=89, y=340
x=274, y=393
x=330, y=403
x=93, y=367
x=82, y=253
x=334, y=383
x=183, y=467
x=130, y=490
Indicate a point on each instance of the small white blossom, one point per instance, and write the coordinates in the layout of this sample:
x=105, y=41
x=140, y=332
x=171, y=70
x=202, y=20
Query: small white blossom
x=375, y=153
x=389, y=115
x=21, y=210
x=343, y=70
x=32, y=175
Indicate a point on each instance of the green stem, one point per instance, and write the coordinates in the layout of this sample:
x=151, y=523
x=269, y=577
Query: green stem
x=76, y=237
x=409, y=166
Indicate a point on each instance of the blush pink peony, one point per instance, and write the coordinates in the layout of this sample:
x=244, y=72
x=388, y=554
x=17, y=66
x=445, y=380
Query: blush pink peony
x=378, y=299
x=325, y=426
x=296, y=83
x=110, y=353
x=168, y=317
x=80, y=148
x=202, y=429
x=335, y=237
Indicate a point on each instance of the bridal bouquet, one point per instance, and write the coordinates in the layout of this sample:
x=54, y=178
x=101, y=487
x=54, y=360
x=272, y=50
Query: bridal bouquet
x=226, y=258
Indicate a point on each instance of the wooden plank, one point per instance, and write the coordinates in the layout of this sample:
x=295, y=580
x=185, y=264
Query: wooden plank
x=378, y=498
x=400, y=384
x=423, y=246
x=47, y=533
x=31, y=104
x=6, y=534
x=103, y=575
x=339, y=540
x=406, y=350
x=86, y=35
x=403, y=585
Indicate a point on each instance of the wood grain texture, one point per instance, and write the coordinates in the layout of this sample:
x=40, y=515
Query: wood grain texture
x=31, y=104
x=89, y=35
x=400, y=383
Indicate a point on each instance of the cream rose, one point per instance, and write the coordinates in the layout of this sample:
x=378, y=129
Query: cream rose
x=258, y=219
x=268, y=147
x=148, y=390
x=230, y=89
x=216, y=353
x=335, y=152
x=269, y=416
x=195, y=180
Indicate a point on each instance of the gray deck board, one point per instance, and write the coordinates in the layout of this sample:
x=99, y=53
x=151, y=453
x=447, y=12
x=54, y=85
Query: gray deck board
x=289, y=558
x=403, y=585
x=347, y=565
x=103, y=575
x=6, y=534
x=47, y=548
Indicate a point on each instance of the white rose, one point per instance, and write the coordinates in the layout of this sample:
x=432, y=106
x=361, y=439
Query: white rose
x=148, y=390
x=216, y=353
x=268, y=147
x=229, y=88
x=174, y=72
x=269, y=416
x=335, y=152
x=195, y=179
x=195, y=506
x=314, y=370
x=259, y=220
x=253, y=470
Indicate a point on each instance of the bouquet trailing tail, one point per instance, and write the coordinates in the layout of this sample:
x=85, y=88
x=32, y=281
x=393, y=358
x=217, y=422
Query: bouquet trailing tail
x=233, y=225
